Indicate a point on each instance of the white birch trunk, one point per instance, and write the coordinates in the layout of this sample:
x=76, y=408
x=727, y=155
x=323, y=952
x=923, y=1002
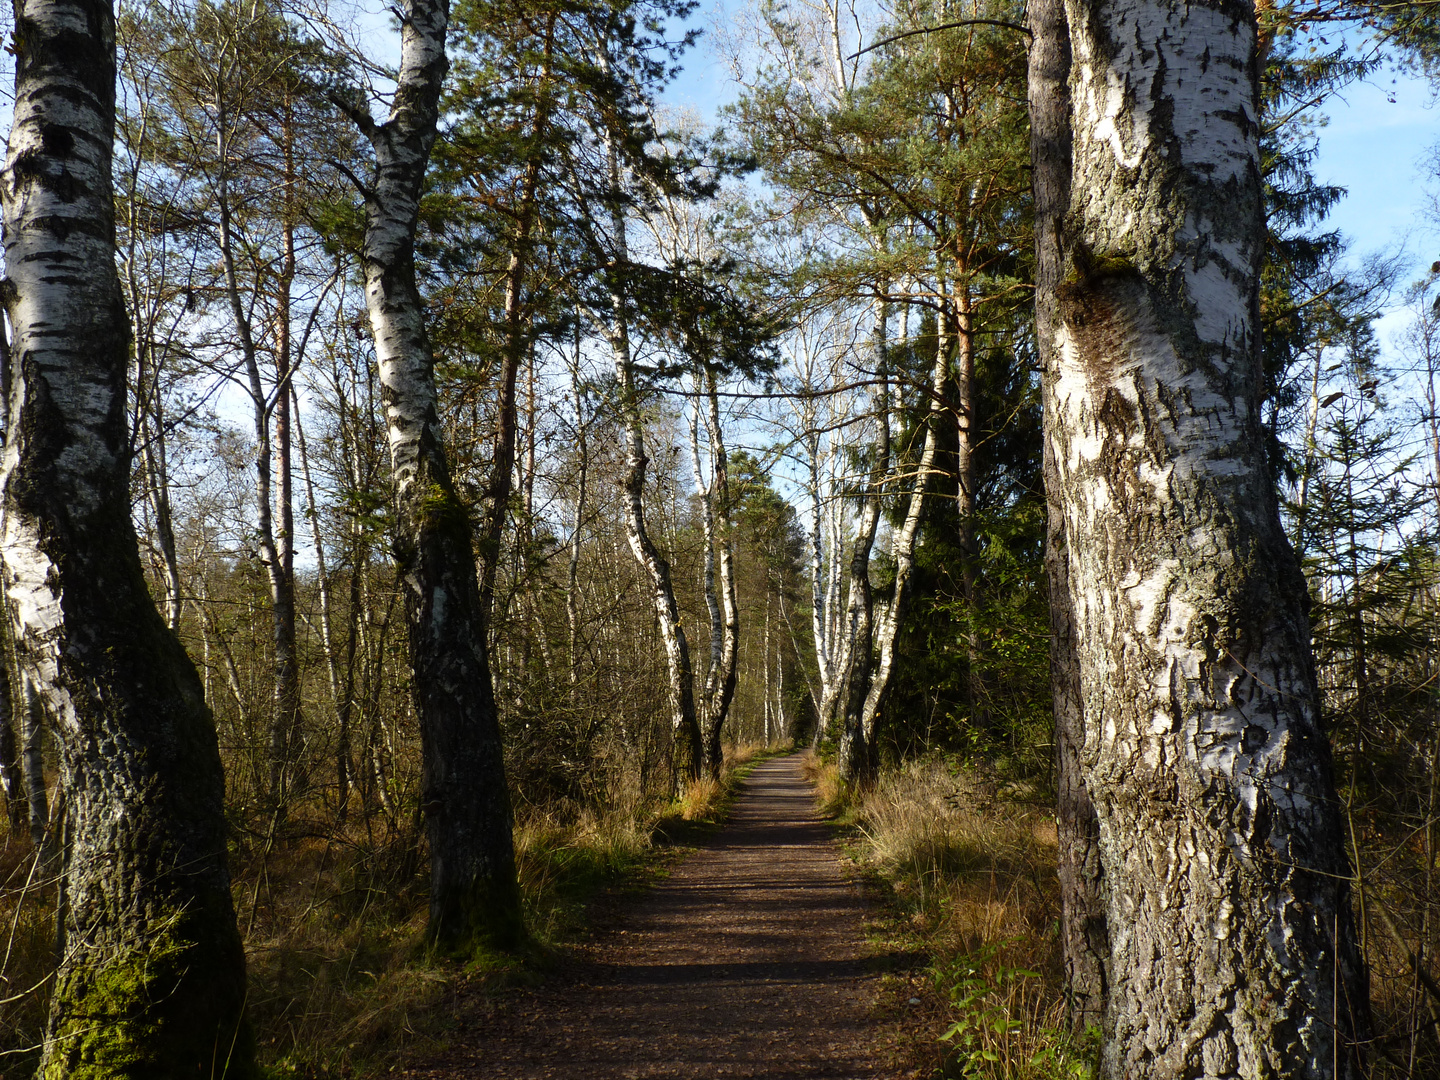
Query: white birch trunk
x=721, y=680
x=684, y=722
x=474, y=899
x=151, y=975
x=1083, y=933
x=903, y=550
x=1228, y=902
x=857, y=661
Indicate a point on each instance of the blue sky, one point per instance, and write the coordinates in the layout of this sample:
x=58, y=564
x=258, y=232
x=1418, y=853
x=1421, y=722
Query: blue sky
x=1374, y=145
x=1377, y=145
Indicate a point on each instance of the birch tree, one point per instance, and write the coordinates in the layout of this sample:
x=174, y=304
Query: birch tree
x=151, y=976
x=473, y=894
x=684, y=720
x=902, y=550
x=1227, y=884
x=1083, y=932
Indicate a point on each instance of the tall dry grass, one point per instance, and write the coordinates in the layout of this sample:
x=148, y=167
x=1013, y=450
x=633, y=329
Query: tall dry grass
x=333, y=915
x=27, y=952
x=969, y=866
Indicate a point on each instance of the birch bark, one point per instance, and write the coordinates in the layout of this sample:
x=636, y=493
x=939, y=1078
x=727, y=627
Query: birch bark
x=721, y=677
x=857, y=653
x=474, y=899
x=683, y=718
x=903, y=551
x=1083, y=933
x=1231, y=946
x=151, y=978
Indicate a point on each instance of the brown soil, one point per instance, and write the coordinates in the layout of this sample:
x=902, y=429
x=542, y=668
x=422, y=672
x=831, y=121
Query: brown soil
x=748, y=961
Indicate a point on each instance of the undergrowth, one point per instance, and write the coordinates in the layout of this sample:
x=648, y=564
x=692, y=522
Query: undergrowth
x=340, y=981
x=967, y=867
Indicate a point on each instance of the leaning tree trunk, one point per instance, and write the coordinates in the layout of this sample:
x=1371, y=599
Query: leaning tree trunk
x=902, y=550
x=1231, y=945
x=474, y=899
x=151, y=976
x=684, y=721
x=1083, y=936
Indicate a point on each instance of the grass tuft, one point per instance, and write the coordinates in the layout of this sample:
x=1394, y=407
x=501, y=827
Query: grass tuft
x=968, y=870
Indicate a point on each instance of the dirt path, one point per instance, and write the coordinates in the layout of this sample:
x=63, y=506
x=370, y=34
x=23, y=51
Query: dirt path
x=746, y=962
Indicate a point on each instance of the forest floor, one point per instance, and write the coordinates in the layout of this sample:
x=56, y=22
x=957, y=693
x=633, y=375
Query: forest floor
x=748, y=960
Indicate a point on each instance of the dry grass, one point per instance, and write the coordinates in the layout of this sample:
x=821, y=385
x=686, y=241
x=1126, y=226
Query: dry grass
x=341, y=984
x=562, y=864
x=972, y=877
x=27, y=953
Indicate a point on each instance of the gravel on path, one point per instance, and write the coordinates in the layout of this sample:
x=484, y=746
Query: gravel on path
x=747, y=961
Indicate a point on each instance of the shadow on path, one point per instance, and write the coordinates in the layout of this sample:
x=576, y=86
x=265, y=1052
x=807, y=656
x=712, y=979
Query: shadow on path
x=746, y=962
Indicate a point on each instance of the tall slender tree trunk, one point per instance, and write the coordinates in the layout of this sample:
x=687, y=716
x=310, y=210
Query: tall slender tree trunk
x=339, y=698
x=572, y=581
x=276, y=548
x=853, y=683
x=903, y=552
x=722, y=671
x=1228, y=908
x=12, y=785
x=154, y=460
x=151, y=976
x=683, y=718
x=502, y=458
x=286, y=706
x=1083, y=934
x=967, y=438
x=820, y=608
x=474, y=898
x=765, y=655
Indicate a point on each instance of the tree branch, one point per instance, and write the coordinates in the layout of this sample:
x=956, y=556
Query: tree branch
x=943, y=26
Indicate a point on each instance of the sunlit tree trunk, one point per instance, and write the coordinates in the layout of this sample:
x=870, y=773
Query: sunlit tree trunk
x=151, y=976
x=473, y=894
x=857, y=654
x=821, y=611
x=684, y=721
x=721, y=673
x=1228, y=909
x=155, y=472
x=1083, y=936
x=765, y=654
x=903, y=551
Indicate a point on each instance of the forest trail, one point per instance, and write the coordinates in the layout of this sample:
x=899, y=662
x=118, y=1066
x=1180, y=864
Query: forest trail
x=747, y=961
